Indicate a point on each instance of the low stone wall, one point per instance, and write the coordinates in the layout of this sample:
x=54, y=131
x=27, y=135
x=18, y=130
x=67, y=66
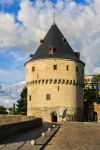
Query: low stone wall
x=18, y=127
x=8, y=119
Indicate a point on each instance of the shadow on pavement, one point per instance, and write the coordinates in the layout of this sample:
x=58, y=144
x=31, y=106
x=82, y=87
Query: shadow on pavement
x=29, y=135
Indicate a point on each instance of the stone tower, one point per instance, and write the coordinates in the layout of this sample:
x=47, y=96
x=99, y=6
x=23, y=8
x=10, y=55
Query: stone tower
x=55, y=76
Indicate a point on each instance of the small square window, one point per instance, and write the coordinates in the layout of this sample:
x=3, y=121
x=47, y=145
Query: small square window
x=55, y=67
x=48, y=96
x=29, y=97
x=33, y=69
x=67, y=67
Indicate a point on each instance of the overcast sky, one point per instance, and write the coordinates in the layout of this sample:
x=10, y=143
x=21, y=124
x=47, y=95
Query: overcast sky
x=24, y=22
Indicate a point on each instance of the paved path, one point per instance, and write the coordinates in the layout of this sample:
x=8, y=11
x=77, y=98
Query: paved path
x=76, y=136
x=71, y=136
x=23, y=141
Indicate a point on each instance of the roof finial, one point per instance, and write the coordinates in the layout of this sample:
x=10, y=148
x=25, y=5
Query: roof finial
x=54, y=15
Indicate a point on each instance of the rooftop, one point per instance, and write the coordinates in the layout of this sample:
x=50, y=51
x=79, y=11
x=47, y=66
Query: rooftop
x=55, y=45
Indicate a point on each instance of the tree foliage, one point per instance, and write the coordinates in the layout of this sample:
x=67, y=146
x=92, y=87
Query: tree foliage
x=22, y=103
x=98, y=78
x=12, y=111
x=3, y=110
x=89, y=95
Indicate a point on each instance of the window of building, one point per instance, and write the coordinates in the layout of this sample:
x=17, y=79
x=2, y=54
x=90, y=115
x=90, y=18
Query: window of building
x=48, y=96
x=55, y=67
x=29, y=97
x=33, y=69
x=58, y=88
x=77, y=68
x=67, y=67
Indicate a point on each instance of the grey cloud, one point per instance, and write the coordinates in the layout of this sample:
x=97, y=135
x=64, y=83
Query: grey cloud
x=11, y=94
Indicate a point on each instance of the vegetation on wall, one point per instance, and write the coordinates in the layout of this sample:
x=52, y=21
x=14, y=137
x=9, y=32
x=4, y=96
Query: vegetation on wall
x=22, y=103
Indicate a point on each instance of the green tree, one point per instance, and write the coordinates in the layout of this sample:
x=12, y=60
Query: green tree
x=89, y=95
x=98, y=87
x=3, y=110
x=98, y=78
x=22, y=103
x=14, y=109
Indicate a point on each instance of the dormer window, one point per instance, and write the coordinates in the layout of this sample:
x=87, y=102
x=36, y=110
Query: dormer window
x=64, y=39
x=51, y=50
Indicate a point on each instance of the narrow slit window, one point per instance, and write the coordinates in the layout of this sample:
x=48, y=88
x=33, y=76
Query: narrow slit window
x=55, y=67
x=29, y=97
x=33, y=69
x=58, y=88
x=67, y=67
x=76, y=68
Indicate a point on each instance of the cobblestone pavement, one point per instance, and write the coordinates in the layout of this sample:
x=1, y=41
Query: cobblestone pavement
x=70, y=136
x=76, y=136
x=23, y=141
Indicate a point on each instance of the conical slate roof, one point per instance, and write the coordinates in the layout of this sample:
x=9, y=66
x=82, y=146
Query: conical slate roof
x=61, y=47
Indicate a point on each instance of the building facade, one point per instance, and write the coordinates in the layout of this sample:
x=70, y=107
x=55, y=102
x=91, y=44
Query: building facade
x=92, y=83
x=92, y=108
x=55, y=77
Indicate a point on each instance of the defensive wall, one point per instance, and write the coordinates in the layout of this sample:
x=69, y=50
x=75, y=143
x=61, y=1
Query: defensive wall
x=53, y=89
x=17, y=124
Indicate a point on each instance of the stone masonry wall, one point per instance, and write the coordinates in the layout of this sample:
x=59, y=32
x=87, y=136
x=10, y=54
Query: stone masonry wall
x=64, y=87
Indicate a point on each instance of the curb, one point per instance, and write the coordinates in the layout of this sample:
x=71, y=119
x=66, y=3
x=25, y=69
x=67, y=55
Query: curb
x=43, y=141
x=50, y=137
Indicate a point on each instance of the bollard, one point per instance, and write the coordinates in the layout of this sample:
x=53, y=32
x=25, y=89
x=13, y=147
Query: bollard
x=54, y=126
x=43, y=134
x=33, y=142
x=49, y=129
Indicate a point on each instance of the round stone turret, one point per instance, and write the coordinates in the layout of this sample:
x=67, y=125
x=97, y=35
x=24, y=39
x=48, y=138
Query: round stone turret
x=55, y=76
